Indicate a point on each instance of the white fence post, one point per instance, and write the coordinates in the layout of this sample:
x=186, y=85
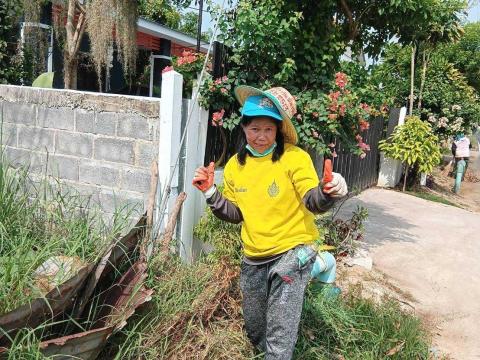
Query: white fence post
x=195, y=142
x=390, y=169
x=169, y=142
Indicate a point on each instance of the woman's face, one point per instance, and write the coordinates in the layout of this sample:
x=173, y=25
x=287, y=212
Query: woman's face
x=261, y=133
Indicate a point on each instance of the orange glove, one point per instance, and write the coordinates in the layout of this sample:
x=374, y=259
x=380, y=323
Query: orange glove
x=204, y=176
x=327, y=173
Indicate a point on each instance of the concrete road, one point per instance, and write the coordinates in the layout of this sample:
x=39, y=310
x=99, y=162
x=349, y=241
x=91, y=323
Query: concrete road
x=432, y=251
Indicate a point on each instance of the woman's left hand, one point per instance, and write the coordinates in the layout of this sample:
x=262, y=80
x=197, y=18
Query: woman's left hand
x=337, y=188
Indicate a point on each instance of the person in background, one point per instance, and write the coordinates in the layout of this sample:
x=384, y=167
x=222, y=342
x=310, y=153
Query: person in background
x=272, y=188
x=461, y=152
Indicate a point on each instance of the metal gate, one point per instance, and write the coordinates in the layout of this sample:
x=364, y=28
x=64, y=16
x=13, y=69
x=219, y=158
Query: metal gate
x=361, y=173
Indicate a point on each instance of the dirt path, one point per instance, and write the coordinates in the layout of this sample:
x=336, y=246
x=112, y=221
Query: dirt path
x=470, y=191
x=431, y=251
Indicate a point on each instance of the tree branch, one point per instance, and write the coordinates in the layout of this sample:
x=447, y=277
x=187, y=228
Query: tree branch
x=80, y=29
x=353, y=29
x=69, y=27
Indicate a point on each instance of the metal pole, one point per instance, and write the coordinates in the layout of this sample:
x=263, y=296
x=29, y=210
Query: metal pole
x=199, y=27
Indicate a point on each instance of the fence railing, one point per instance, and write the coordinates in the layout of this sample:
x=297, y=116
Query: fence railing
x=361, y=173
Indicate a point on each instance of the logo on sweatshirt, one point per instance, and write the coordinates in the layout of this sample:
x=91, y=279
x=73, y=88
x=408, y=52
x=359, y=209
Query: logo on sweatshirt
x=273, y=189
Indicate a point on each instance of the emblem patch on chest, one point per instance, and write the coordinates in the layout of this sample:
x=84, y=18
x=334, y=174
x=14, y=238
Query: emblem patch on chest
x=273, y=189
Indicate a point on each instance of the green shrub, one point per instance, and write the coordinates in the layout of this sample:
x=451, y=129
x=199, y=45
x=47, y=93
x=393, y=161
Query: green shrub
x=223, y=236
x=414, y=144
x=343, y=234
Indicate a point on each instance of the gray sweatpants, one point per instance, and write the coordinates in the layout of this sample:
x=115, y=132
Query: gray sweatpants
x=272, y=302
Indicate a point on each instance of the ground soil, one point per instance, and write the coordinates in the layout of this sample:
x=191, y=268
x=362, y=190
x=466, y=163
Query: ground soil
x=441, y=184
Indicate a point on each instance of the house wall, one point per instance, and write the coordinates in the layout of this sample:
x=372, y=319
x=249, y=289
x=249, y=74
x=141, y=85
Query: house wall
x=101, y=145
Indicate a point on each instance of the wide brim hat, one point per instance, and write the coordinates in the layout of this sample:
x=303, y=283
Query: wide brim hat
x=283, y=101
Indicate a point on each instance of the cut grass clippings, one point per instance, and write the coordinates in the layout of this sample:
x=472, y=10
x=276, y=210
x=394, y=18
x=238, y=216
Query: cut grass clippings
x=196, y=313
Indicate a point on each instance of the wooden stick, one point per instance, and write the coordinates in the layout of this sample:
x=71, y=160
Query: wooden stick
x=153, y=193
x=172, y=222
x=150, y=209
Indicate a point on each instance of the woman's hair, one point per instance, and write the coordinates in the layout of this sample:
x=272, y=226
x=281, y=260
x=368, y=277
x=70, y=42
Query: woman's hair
x=242, y=143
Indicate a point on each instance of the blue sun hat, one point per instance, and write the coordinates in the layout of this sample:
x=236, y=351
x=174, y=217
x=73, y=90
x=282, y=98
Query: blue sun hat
x=260, y=106
x=276, y=102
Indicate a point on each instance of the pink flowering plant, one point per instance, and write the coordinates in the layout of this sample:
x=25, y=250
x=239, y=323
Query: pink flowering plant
x=337, y=114
x=189, y=64
x=217, y=93
x=322, y=117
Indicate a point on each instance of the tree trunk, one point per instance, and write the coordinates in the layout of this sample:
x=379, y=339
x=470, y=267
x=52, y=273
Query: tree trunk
x=74, y=36
x=405, y=177
x=412, y=78
x=70, y=73
x=425, y=59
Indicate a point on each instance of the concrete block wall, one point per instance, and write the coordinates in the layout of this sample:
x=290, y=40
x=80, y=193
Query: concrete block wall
x=101, y=145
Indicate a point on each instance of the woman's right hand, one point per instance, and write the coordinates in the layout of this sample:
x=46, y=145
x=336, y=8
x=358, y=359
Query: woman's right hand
x=204, y=177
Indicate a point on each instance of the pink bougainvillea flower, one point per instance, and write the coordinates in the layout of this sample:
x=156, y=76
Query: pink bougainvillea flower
x=332, y=116
x=223, y=91
x=364, y=125
x=342, y=110
x=225, y=78
x=218, y=81
x=299, y=117
x=363, y=155
x=315, y=114
x=334, y=95
x=363, y=146
x=333, y=106
x=187, y=57
x=167, y=69
x=331, y=145
x=365, y=107
x=341, y=80
x=358, y=138
x=217, y=118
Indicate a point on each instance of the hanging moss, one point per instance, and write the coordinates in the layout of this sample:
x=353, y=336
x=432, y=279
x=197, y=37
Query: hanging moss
x=112, y=22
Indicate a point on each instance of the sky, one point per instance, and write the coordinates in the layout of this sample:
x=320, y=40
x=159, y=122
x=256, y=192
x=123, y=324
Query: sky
x=474, y=13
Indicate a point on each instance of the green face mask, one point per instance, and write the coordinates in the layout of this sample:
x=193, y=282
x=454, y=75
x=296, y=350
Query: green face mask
x=255, y=153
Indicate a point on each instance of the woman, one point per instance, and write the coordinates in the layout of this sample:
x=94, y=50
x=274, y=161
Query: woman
x=271, y=186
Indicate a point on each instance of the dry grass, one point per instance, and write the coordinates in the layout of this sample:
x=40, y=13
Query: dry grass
x=216, y=301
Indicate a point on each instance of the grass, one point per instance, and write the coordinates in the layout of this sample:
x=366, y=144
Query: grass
x=196, y=314
x=431, y=197
x=356, y=328
x=40, y=221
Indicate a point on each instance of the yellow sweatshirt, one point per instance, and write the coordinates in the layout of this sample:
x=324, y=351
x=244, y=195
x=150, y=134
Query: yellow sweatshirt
x=269, y=195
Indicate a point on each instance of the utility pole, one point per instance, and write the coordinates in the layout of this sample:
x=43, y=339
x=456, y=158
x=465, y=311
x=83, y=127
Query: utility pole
x=199, y=27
